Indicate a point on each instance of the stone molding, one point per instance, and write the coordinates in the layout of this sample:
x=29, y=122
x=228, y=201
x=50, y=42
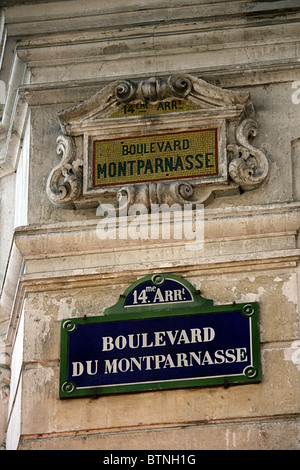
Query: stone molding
x=13, y=119
x=68, y=183
x=71, y=255
x=4, y=377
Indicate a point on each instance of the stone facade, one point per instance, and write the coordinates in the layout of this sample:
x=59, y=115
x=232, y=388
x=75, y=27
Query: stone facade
x=58, y=61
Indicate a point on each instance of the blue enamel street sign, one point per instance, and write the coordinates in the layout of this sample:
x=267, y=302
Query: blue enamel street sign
x=172, y=341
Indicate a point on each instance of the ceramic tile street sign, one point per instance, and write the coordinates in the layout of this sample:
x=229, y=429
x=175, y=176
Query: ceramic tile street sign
x=160, y=335
x=155, y=157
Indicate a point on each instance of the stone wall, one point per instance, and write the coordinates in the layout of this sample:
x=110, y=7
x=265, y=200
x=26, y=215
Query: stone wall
x=54, y=266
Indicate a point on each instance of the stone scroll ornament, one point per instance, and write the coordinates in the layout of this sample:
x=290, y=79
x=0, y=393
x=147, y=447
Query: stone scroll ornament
x=246, y=166
x=65, y=181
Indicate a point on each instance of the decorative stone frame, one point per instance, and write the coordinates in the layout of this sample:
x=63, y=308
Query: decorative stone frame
x=241, y=166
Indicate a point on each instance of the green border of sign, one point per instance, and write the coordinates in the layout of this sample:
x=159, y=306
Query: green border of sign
x=118, y=313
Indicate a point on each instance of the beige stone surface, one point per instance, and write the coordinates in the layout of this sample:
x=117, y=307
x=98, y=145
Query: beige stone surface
x=276, y=293
x=277, y=394
x=278, y=188
x=48, y=302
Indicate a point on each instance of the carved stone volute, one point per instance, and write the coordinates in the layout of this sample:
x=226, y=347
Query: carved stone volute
x=248, y=165
x=64, y=184
x=153, y=89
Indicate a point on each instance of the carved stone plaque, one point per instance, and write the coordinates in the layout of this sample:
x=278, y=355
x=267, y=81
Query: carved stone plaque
x=161, y=140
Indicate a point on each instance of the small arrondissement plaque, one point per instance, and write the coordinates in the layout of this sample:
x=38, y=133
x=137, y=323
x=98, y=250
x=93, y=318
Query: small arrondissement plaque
x=156, y=157
x=161, y=334
x=162, y=107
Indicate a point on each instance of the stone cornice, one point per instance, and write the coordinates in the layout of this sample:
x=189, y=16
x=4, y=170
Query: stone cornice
x=255, y=44
x=62, y=93
x=22, y=20
x=66, y=239
x=251, y=56
x=70, y=255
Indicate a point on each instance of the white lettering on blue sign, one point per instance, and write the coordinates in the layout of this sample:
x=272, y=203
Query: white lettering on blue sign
x=158, y=349
x=159, y=296
x=160, y=361
x=160, y=338
x=169, y=292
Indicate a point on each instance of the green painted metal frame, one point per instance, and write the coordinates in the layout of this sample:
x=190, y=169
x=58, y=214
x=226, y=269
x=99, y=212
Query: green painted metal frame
x=118, y=313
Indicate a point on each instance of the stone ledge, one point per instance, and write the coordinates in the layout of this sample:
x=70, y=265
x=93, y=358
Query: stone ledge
x=45, y=245
x=278, y=433
x=21, y=19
